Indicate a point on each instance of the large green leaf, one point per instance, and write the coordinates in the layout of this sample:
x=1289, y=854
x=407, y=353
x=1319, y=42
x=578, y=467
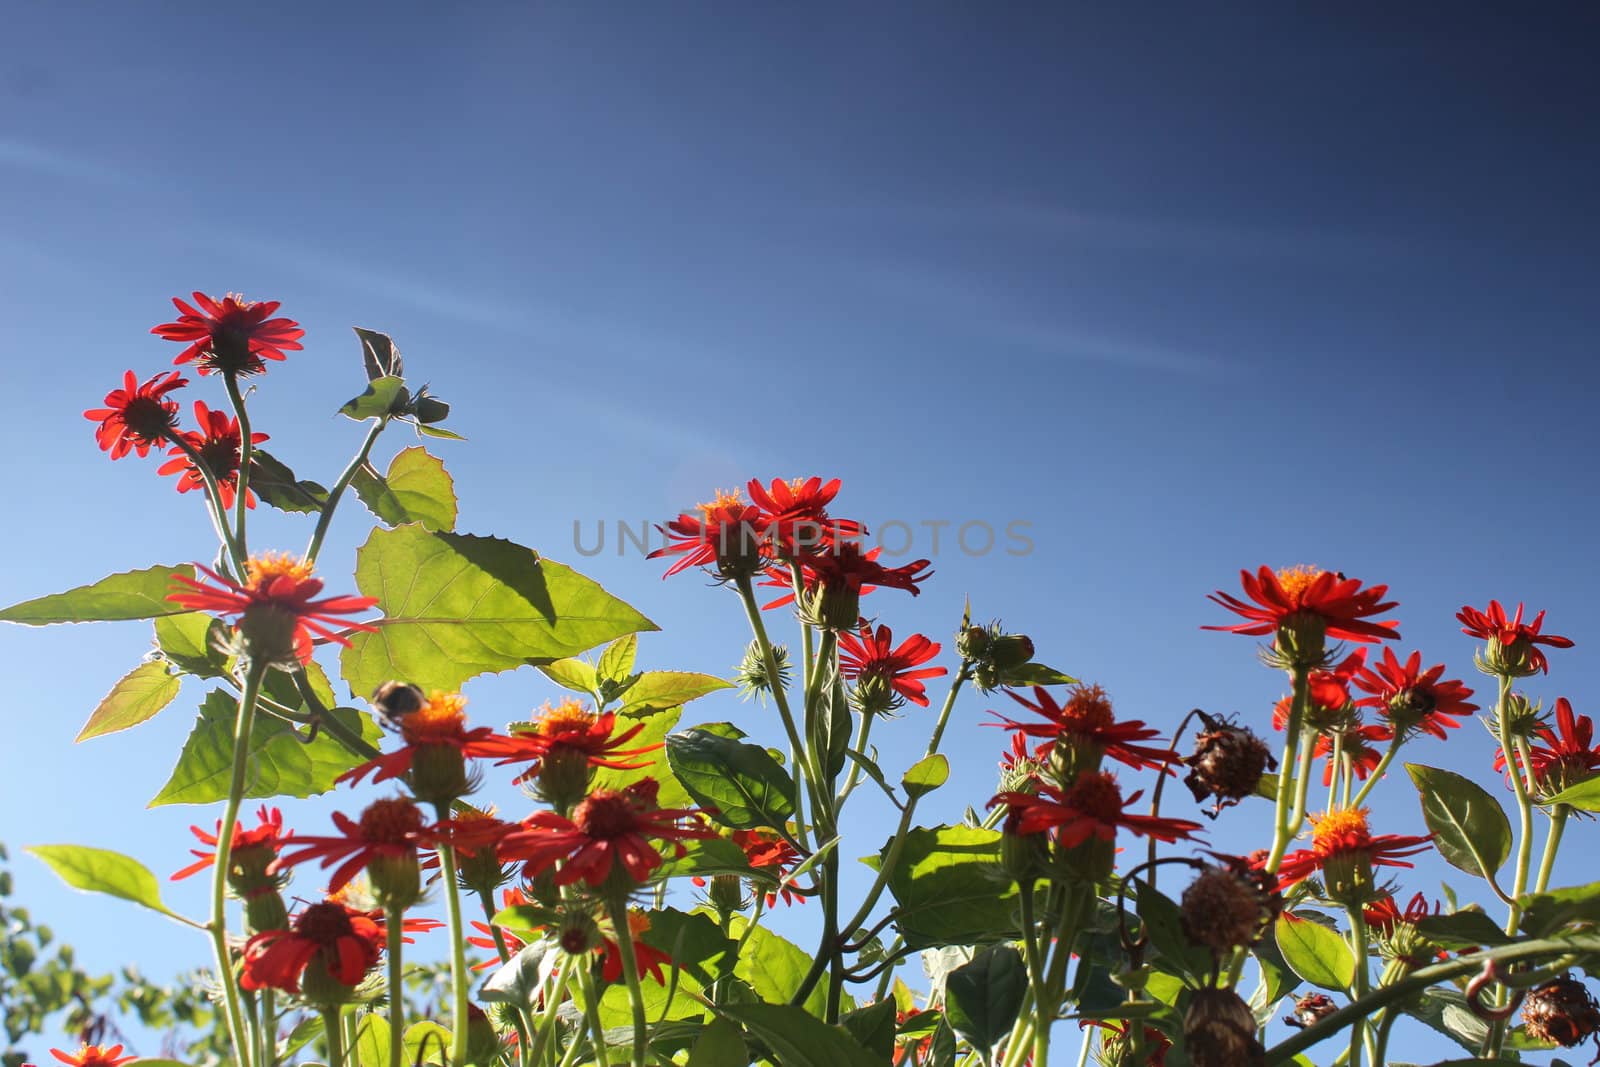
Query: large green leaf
x=982, y=997
x=950, y=889
x=115, y=598
x=189, y=642
x=578, y=675
x=1585, y=796
x=416, y=489
x=721, y=1044
x=1316, y=953
x=275, y=483
x=873, y=1026
x=137, y=696
x=280, y=763
x=427, y=1042
x=1469, y=827
x=99, y=870
x=457, y=606
x=775, y=967
x=696, y=945
x=740, y=784
x=372, y=1041
x=666, y=689
x=798, y=1038
x=1544, y=914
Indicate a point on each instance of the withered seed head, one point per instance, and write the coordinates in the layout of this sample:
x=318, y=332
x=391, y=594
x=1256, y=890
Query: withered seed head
x=1220, y=1031
x=1562, y=1010
x=1309, y=1010
x=1227, y=763
x=1230, y=905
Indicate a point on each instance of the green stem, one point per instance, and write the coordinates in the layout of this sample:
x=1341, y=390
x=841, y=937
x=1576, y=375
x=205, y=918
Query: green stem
x=617, y=905
x=333, y=1032
x=962, y=674
x=1552, y=842
x=798, y=580
x=520, y=1020
x=219, y=869
x=1358, y=988
x=1283, y=831
x=591, y=1006
x=1516, y=769
x=1377, y=772
x=552, y=1001
x=326, y=517
x=268, y=1056
x=394, y=930
x=780, y=697
x=854, y=774
x=218, y=511
x=1336, y=769
x=241, y=490
x=459, y=975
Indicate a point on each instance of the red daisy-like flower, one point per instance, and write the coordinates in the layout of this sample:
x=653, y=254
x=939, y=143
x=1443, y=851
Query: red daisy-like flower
x=1086, y=719
x=763, y=849
x=796, y=515
x=441, y=721
x=850, y=566
x=137, y=417
x=1493, y=625
x=345, y=942
x=568, y=730
x=218, y=442
x=873, y=659
x=276, y=585
x=1359, y=747
x=1343, y=835
x=1327, y=690
x=781, y=577
x=263, y=840
x=607, y=827
x=392, y=827
x=231, y=334
x=1339, y=602
x=93, y=1056
x=1092, y=807
x=1567, y=756
x=1385, y=916
x=648, y=959
x=1413, y=699
x=727, y=530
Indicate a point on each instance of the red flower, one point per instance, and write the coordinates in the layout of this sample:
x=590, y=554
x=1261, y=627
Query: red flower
x=94, y=1056
x=796, y=515
x=728, y=533
x=1087, y=719
x=392, y=827
x=276, y=585
x=232, y=334
x=1118, y=1039
x=763, y=849
x=1411, y=698
x=441, y=721
x=873, y=656
x=1339, y=602
x=1342, y=836
x=1385, y=916
x=647, y=958
x=266, y=837
x=1092, y=807
x=783, y=578
x=218, y=444
x=1568, y=755
x=1493, y=625
x=344, y=941
x=569, y=729
x=606, y=827
x=849, y=566
x=137, y=417
x=1328, y=691
x=509, y=898
x=1358, y=748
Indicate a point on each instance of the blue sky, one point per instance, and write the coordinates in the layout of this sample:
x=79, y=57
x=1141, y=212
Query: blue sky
x=1185, y=291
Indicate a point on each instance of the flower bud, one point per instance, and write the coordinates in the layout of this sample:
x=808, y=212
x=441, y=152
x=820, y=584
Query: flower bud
x=1227, y=763
x=483, y=1041
x=265, y=911
x=563, y=777
x=973, y=642
x=439, y=774
x=1309, y=1010
x=1010, y=651
x=266, y=634
x=1562, y=1011
x=1518, y=659
x=1229, y=906
x=320, y=987
x=1220, y=1031
x=726, y=893
x=579, y=933
x=1302, y=640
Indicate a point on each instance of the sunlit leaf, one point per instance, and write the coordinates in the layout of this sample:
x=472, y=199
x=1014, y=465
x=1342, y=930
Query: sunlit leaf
x=950, y=889
x=666, y=689
x=1469, y=827
x=275, y=483
x=926, y=775
x=137, y=696
x=1314, y=952
x=188, y=642
x=416, y=488
x=383, y=396
x=99, y=870
x=739, y=783
x=115, y=598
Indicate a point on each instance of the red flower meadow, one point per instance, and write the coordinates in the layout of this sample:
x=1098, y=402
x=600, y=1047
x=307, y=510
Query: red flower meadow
x=1493, y=625
x=232, y=334
x=1413, y=699
x=873, y=656
x=276, y=585
x=217, y=443
x=1087, y=719
x=1339, y=602
x=137, y=417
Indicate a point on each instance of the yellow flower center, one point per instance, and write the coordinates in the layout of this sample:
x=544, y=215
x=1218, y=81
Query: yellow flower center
x=1339, y=829
x=443, y=715
x=275, y=565
x=726, y=500
x=568, y=717
x=1296, y=580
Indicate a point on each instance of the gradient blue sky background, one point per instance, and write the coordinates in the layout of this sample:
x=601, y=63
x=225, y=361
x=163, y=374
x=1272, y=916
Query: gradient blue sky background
x=1187, y=289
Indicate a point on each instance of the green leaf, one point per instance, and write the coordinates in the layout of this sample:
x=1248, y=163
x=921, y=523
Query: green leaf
x=1469, y=827
x=188, y=642
x=696, y=945
x=1543, y=914
x=280, y=764
x=1462, y=929
x=372, y=1041
x=517, y=981
x=774, y=967
x=739, y=783
x=99, y=870
x=799, y=1039
x=116, y=598
x=137, y=696
x=379, y=356
x=575, y=674
x=427, y=1039
x=873, y=1027
x=276, y=484
x=529, y=919
x=417, y=488
x=457, y=606
x=982, y=997
x=926, y=775
x=1037, y=674
x=616, y=662
x=1314, y=952
x=1164, y=926
x=712, y=856
x=383, y=396
x=950, y=889
x=1585, y=796
x=668, y=689
x=721, y=1044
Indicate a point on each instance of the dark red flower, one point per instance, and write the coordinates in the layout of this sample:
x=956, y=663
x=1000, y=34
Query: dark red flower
x=1341, y=604
x=763, y=849
x=265, y=837
x=217, y=442
x=392, y=827
x=1359, y=747
x=795, y=515
x=1411, y=698
x=345, y=942
x=607, y=827
x=440, y=722
x=1328, y=692
x=1092, y=807
x=1342, y=836
x=728, y=533
x=849, y=566
x=873, y=659
x=1567, y=756
x=276, y=585
x=94, y=1056
x=1514, y=636
x=1087, y=719
x=1384, y=917
x=231, y=334
x=137, y=417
